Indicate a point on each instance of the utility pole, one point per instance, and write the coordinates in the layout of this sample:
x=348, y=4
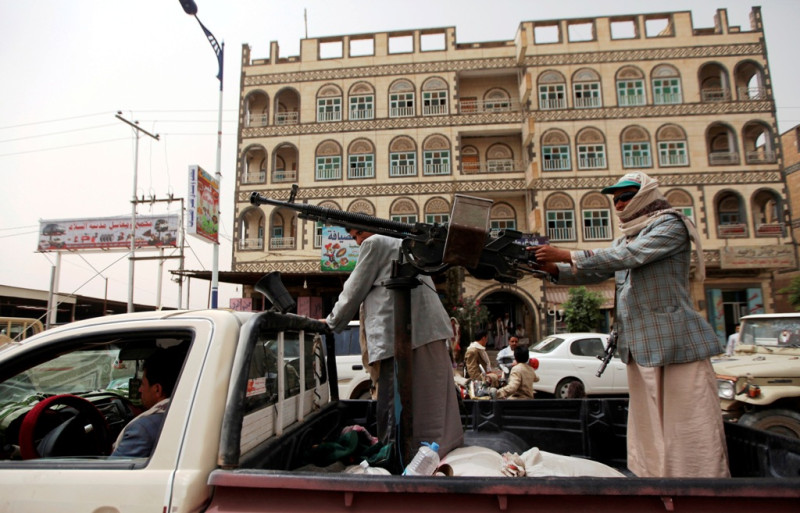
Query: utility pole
x=137, y=131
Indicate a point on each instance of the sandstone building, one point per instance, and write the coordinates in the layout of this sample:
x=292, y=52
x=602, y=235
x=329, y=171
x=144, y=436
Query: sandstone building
x=394, y=124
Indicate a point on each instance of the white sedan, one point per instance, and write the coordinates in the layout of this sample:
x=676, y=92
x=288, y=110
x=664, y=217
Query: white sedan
x=565, y=358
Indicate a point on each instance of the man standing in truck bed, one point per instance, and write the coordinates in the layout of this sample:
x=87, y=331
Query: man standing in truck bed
x=435, y=406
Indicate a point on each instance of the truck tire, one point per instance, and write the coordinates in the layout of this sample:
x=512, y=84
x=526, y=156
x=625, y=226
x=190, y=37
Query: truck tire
x=782, y=422
x=563, y=387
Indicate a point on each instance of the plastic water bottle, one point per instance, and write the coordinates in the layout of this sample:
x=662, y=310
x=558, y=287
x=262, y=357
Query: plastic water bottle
x=425, y=461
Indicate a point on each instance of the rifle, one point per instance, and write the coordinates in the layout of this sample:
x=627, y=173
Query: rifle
x=609, y=352
x=432, y=248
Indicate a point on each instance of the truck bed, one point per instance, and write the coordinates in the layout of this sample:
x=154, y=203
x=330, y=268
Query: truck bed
x=766, y=467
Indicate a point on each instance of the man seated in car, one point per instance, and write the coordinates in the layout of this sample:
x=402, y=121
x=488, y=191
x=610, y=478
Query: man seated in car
x=160, y=373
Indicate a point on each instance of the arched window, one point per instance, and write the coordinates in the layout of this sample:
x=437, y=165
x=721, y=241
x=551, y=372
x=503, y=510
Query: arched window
x=714, y=83
x=721, y=141
x=470, y=160
x=361, y=160
x=636, y=152
x=586, y=89
x=757, y=143
x=404, y=210
x=434, y=97
x=287, y=107
x=362, y=102
x=682, y=200
x=502, y=217
x=254, y=165
x=768, y=213
x=630, y=87
x=749, y=80
x=596, y=212
x=285, y=167
x=329, y=161
x=499, y=158
x=436, y=156
x=666, y=85
x=282, y=229
x=730, y=213
x=672, y=150
x=591, y=149
x=401, y=99
x=329, y=104
x=552, y=91
x=256, y=107
x=560, y=214
x=497, y=100
x=251, y=229
x=555, y=151
x=402, y=157
x=437, y=210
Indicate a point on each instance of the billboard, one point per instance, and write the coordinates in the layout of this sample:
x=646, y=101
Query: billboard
x=202, y=219
x=339, y=250
x=108, y=233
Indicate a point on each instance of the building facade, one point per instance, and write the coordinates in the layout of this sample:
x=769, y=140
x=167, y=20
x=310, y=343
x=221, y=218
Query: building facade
x=395, y=124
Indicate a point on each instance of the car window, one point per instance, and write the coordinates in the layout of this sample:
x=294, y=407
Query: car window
x=547, y=345
x=587, y=347
x=776, y=332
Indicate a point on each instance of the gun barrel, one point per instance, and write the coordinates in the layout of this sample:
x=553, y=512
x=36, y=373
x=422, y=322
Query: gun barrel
x=326, y=215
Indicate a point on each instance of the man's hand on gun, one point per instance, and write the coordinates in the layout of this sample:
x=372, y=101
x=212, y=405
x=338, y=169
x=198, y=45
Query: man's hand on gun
x=609, y=353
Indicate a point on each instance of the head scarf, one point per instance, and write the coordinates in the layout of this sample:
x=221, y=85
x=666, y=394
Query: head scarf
x=647, y=206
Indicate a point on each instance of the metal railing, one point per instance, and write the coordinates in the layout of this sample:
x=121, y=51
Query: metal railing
x=637, y=161
x=591, y=162
x=251, y=243
x=775, y=229
x=401, y=112
x=552, y=103
x=493, y=166
x=586, y=102
x=596, y=232
x=255, y=177
x=680, y=159
x=256, y=120
x=667, y=98
x=752, y=93
x=716, y=94
x=403, y=170
x=732, y=230
x=359, y=114
x=556, y=164
x=481, y=106
x=716, y=158
x=760, y=157
x=361, y=172
x=287, y=118
x=281, y=243
x=325, y=117
x=629, y=100
x=561, y=233
x=434, y=110
x=284, y=175
x=436, y=169
x=329, y=173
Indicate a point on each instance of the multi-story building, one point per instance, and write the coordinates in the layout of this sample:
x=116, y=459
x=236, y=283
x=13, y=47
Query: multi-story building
x=395, y=124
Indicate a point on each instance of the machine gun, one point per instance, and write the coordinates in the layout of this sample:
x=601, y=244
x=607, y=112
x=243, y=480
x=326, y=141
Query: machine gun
x=609, y=352
x=432, y=248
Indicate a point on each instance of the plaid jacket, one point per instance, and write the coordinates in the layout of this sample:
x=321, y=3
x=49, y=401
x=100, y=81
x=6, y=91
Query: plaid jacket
x=655, y=319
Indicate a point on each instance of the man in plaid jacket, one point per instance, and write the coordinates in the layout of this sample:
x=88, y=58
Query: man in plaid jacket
x=674, y=422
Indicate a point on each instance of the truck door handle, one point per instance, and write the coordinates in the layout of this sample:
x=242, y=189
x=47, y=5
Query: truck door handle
x=358, y=367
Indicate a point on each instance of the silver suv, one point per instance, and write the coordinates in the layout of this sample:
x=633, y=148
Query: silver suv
x=759, y=386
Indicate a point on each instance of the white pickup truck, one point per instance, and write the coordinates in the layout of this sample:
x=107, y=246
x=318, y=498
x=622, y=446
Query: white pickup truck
x=252, y=402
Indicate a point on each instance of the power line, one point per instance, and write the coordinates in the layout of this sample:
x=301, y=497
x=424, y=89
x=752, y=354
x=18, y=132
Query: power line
x=64, y=147
x=53, y=120
x=56, y=133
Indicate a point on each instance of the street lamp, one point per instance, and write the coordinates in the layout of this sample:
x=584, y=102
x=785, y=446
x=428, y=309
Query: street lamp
x=190, y=8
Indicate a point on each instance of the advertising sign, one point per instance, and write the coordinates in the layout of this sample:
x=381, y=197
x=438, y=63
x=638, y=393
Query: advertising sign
x=339, y=250
x=108, y=233
x=202, y=218
x=757, y=257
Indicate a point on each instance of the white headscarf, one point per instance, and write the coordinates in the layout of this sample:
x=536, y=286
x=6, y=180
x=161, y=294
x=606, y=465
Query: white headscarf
x=647, y=206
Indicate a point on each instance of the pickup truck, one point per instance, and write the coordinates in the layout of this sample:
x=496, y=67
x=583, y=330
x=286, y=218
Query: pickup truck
x=253, y=399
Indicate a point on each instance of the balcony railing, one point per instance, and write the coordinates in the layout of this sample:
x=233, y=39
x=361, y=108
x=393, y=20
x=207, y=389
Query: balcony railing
x=667, y=98
x=552, y=103
x=434, y=110
x=590, y=102
x=359, y=114
x=680, y=159
x=251, y=243
x=637, y=161
x=287, y=118
x=255, y=177
x=436, y=169
x=281, y=243
x=329, y=173
x=475, y=106
x=256, y=120
x=561, y=233
x=403, y=170
x=556, y=164
x=591, y=162
x=752, y=93
x=401, y=112
x=493, y=166
x=630, y=99
x=284, y=175
x=361, y=172
x=717, y=158
x=325, y=117
x=759, y=157
x=596, y=232
x=716, y=94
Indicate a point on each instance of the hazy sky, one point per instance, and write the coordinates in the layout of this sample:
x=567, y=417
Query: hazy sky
x=69, y=65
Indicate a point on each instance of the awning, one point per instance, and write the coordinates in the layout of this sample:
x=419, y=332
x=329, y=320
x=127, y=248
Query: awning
x=559, y=294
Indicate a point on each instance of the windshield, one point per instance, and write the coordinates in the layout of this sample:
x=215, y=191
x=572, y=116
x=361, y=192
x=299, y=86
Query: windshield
x=775, y=332
x=75, y=372
x=547, y=345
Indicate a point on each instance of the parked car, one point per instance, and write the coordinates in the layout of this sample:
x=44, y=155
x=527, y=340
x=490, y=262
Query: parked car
x=759, y=386
x=565, y=358
x=354, y=381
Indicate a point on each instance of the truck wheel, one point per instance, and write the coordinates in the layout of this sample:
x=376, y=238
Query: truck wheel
x=782, y=422
x=563, y=387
